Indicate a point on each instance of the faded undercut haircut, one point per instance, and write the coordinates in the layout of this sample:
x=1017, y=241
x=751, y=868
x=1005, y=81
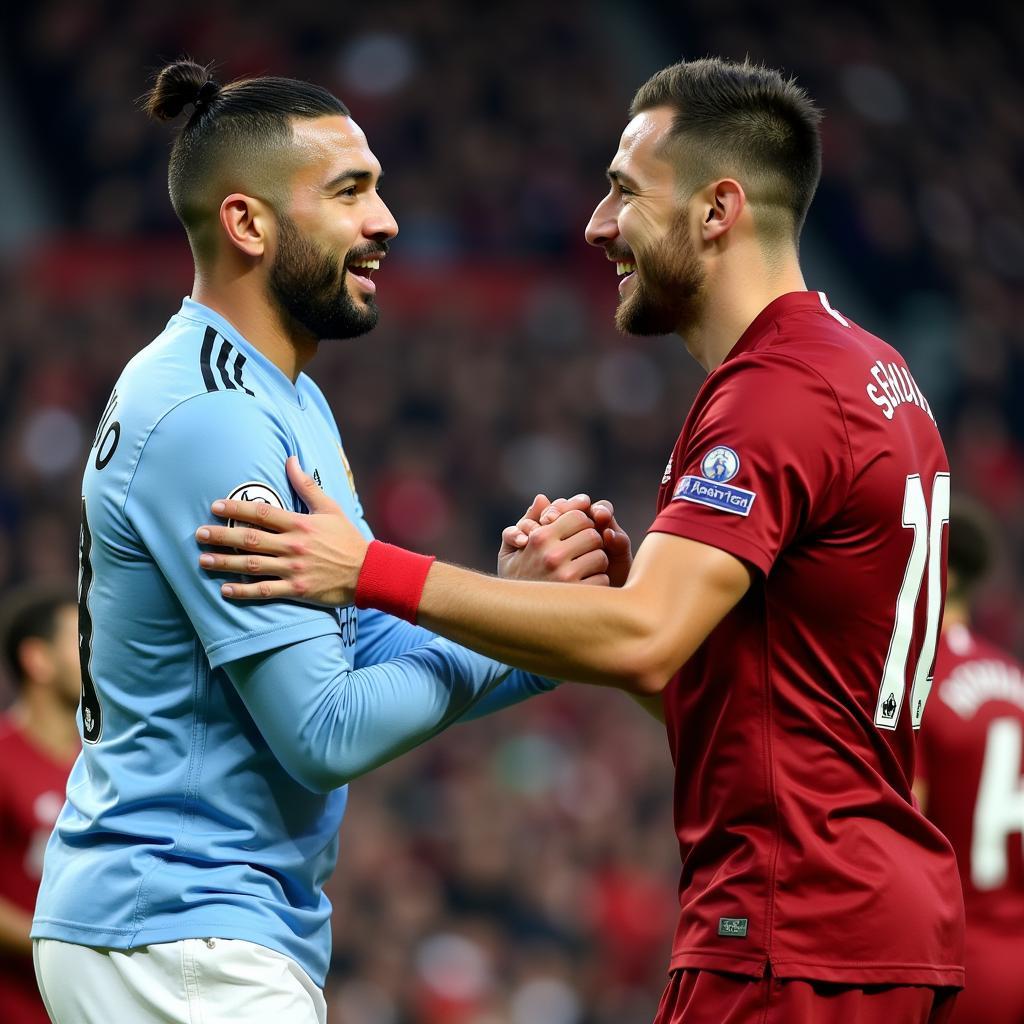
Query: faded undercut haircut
x=742, y=121
x=234, y=134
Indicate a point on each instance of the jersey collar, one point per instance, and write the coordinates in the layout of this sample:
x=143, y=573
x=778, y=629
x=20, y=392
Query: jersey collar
x=271, y=374
x=791, y=302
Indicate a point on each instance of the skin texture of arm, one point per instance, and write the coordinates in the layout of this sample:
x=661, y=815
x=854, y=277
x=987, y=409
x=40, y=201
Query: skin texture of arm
x=634, y=637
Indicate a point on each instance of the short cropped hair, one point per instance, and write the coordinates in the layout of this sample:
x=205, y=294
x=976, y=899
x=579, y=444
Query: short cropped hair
x=744, y=121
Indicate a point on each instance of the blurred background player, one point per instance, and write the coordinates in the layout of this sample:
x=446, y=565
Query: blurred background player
x=38, y=743
x=971, y=779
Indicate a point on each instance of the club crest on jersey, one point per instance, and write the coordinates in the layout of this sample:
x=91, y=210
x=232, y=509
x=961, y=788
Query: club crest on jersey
x=720, y=464
x=254, y=490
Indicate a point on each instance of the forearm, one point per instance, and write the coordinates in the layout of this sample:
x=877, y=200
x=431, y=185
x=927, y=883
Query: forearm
x=591, y=634
x=15, y=925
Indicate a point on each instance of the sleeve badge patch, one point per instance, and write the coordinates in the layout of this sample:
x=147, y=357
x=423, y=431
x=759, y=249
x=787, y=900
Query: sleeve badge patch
x=712, y=489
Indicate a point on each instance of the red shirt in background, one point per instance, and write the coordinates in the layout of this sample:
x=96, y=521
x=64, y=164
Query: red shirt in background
x=971, y=759
x=812, y=455
x=32, y=786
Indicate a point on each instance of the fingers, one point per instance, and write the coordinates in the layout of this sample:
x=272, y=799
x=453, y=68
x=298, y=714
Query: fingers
x=593, y=563
x=307, y=488
x=517, y=536
x=260, y=513
x=264, y=590
x=246, y=538
x=246, y=565
x=603, y=514
x=560, y=506
x=572, y=522
x=537, y=506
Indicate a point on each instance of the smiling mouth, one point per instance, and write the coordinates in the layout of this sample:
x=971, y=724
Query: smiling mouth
x=362, y=270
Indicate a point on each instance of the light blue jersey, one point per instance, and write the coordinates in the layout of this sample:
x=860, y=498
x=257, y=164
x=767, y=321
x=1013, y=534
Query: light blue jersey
x=218, y=737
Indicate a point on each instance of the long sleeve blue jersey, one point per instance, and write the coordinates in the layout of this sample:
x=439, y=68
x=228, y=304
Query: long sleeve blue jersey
x=218, y=738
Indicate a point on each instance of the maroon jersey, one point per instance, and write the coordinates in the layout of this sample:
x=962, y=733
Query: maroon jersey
x=812, y=455
x=971, y=759
x=32, y=788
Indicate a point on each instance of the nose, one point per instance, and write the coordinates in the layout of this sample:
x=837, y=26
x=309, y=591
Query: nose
x=380, y=225
x=603, y=227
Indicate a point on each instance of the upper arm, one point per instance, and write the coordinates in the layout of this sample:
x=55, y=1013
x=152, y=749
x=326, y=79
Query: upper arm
x=205, y=449
x=767, y=458
x=683, y=589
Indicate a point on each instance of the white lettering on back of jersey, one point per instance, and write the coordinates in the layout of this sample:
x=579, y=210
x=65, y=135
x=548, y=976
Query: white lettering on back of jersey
x=972, y=684
x=999, y=810
x=894, y=386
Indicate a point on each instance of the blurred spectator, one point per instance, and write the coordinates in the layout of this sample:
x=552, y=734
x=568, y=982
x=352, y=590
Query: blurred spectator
x=38, y=743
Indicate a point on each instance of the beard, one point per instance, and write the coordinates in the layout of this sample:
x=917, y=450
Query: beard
x=670, y=295
x=308, y=286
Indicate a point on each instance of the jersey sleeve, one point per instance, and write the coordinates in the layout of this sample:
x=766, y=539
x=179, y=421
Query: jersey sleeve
x=767, y=458
x=382, y=637
x=212, y=446
x=327, y=722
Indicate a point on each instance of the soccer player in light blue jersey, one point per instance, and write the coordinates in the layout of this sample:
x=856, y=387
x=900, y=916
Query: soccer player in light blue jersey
x=184, y=879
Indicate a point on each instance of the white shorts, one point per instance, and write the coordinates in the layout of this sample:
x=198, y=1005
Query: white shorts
x=192, y=981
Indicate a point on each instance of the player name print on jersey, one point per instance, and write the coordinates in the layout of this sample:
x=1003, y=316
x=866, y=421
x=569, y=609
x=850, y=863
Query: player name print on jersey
x=894, y=386
x=720, y=465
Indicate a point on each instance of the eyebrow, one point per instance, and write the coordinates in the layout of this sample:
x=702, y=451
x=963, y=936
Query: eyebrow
x=353, y=174
x=621, y=178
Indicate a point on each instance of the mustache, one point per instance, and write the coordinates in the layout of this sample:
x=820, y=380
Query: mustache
x=619, y=254
x=367, y=252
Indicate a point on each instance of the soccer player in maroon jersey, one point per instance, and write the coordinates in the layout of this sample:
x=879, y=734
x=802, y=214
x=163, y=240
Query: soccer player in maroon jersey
x=971, y=782
x=38, y=743
x=785, y=604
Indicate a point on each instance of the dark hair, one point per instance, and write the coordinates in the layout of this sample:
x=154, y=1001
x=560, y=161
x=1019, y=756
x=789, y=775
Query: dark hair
x=744, y=121
x=971, y=547
x=29, y=612
x=230, y=135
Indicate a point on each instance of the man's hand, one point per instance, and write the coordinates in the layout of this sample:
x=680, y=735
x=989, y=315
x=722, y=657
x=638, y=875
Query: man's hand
x=600, y=515
x=567, y=549
x=315, y=558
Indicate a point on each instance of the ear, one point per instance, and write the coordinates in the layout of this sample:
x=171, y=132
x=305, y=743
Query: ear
x=725, y=201
x=246, y=221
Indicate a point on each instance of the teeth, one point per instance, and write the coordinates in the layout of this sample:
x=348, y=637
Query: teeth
x=624, y=268
x=368, y=264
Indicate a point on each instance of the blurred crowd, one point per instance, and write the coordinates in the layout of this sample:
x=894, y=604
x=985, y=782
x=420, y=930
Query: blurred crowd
x=518, y=869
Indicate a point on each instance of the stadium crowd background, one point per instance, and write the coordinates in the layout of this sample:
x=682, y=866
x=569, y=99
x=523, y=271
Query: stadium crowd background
x=520, y=869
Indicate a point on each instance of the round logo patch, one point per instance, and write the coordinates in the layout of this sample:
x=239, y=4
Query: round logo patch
x=255, y=491
x=720, y=464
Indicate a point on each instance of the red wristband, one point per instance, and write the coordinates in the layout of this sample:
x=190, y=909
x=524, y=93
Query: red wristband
x=392, y=580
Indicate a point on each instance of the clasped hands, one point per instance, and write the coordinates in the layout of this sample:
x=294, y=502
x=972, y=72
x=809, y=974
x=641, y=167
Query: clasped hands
x=316, y=558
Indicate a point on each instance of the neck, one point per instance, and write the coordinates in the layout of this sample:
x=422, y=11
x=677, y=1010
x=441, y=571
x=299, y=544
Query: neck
x=735, y=293
x=48, y=722
x=242, y=300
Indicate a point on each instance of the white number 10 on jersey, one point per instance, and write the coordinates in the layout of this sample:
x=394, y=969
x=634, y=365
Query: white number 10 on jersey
x=925, y=557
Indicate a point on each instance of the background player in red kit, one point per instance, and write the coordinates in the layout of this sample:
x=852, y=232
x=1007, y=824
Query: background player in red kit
x=38, y=743
x=971, y=782
x=785, y=603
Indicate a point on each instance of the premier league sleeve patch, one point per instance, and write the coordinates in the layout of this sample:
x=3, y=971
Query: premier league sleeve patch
x=255, y=491
x=712, y=488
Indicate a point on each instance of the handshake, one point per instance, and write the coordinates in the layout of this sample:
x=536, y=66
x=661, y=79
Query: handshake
x=316, y=558
x=568, y=540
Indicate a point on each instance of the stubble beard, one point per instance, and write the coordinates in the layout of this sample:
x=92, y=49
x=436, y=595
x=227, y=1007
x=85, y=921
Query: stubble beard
x=670, y=295
x=308, y=287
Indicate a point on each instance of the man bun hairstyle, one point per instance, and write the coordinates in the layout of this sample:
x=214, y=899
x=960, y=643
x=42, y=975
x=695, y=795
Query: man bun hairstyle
x=743, y=121
x=176, y=86
x=233, y=139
